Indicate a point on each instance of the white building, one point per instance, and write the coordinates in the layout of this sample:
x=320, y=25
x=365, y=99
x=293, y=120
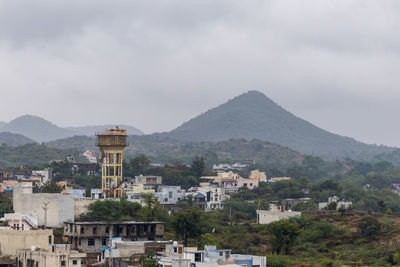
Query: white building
x=44, y=175
x=275, y=213
x=214, y=196
x=169, y=194
x=91, y=156
x=339, y=204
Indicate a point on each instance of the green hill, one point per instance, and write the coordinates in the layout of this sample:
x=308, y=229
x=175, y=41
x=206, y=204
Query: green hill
x=32, y=155
x=12, y=139
x=253, y=115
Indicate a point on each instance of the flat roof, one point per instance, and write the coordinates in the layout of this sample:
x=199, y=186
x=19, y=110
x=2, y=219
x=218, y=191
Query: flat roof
x=112, y=222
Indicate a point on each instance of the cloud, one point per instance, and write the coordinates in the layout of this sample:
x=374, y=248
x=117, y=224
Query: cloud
x=155, y=64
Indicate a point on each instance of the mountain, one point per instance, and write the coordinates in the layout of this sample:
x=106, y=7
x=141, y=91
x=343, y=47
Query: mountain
x=167, y=150
x=91, y=130
x=33, y=155
x=36, y=128
x=11, y=139
x=2, y=124
x=253, y=115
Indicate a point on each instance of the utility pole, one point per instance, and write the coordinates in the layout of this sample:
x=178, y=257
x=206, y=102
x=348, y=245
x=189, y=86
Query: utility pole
x=45, y=208
x=110, y=250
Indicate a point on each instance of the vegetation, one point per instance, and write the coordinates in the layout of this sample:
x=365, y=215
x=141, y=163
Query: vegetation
x=51, y=187
x=5, y=204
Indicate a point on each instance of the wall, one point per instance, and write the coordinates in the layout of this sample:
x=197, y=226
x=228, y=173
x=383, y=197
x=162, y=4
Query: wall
x=60, y=207
x=81, y=205
x=11, y=240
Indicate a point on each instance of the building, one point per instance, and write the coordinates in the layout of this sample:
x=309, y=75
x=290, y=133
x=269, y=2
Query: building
x=223, y=167
x=45, y=174
x=51, y=210
x=129, y=188
x=212, y=196
x=177, y=255
x=55, y=255
x=256, y=174
x=91, y=156
x=169, y=195
x=18, y=221
x=291, y=202
x=11, y=240
x=339, y=204
x=77, y=193
x=275, y=213
x=247, y=183
x=89, y=237
x=96, y=193
x=150, y=180
x=112, y=144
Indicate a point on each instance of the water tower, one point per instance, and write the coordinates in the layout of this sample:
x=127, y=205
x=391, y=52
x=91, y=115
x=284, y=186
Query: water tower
x=112, y=144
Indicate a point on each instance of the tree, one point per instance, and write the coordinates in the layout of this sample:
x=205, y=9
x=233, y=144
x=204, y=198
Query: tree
x=369, y=226
x=139, y=164
x=149, y=260
x=51, y=187
x=198, y=166
x=187, y=224
x=282, y=236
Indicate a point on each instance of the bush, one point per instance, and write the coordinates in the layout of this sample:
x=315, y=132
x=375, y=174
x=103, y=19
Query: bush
x=369, y=226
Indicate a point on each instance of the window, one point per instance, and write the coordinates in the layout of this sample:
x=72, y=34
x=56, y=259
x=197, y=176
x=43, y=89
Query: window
x=50, y=241
x=62, y=263
x=74, y=262
x=197, y=257
x=104, y=242
x=94, y=230
x=166, y=199
x=193, y=265
x=82, y=230
x=175, y=249
x=107, y=229
x=91, y=242
x=221, y=254
x=76, y=229
x=169, y=194
x=251, y=184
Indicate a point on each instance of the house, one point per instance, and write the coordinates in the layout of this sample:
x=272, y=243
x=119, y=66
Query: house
x=169, y=195
x=247, y=183
x=45, y=174
x=77, y=193
x=212, y=196
x=177, y=255
x=275, y=213
x=12, y=239
x=96, y=193
x=137, y=188
x=256, y=174
x=55, y=255
x=146, y=180
x=339, y=204
x=18, y=221
x=89, y=237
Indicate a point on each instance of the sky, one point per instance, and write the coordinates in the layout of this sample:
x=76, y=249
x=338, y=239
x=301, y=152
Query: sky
x=157, y=64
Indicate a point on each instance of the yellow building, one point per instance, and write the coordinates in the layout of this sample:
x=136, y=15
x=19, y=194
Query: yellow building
x=138, y=189
x=112, y=144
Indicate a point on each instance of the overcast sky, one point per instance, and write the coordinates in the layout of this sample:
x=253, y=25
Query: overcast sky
x=156, y=64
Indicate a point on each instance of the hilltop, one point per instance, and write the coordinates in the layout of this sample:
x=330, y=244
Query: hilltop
x=167, y=150
x=254, y=116
x=93, y=129
x=36, y=128
x=41, y=130
x=12, y=139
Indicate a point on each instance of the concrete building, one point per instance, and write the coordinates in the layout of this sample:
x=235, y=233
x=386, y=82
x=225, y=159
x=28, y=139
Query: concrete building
x=45, y=174
x=275, y=213
x=11, y=240
x=169, y=195
x=178, y=256
x=247, y=183
x=213, y=196
x=146, y=180
x=55, y=209
x=55, y=255
x=89, y=237
x=18, y=221
x=256, y=174
x=339, y=203
x=129, y=188
x=96, y=193
x=77, y=193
